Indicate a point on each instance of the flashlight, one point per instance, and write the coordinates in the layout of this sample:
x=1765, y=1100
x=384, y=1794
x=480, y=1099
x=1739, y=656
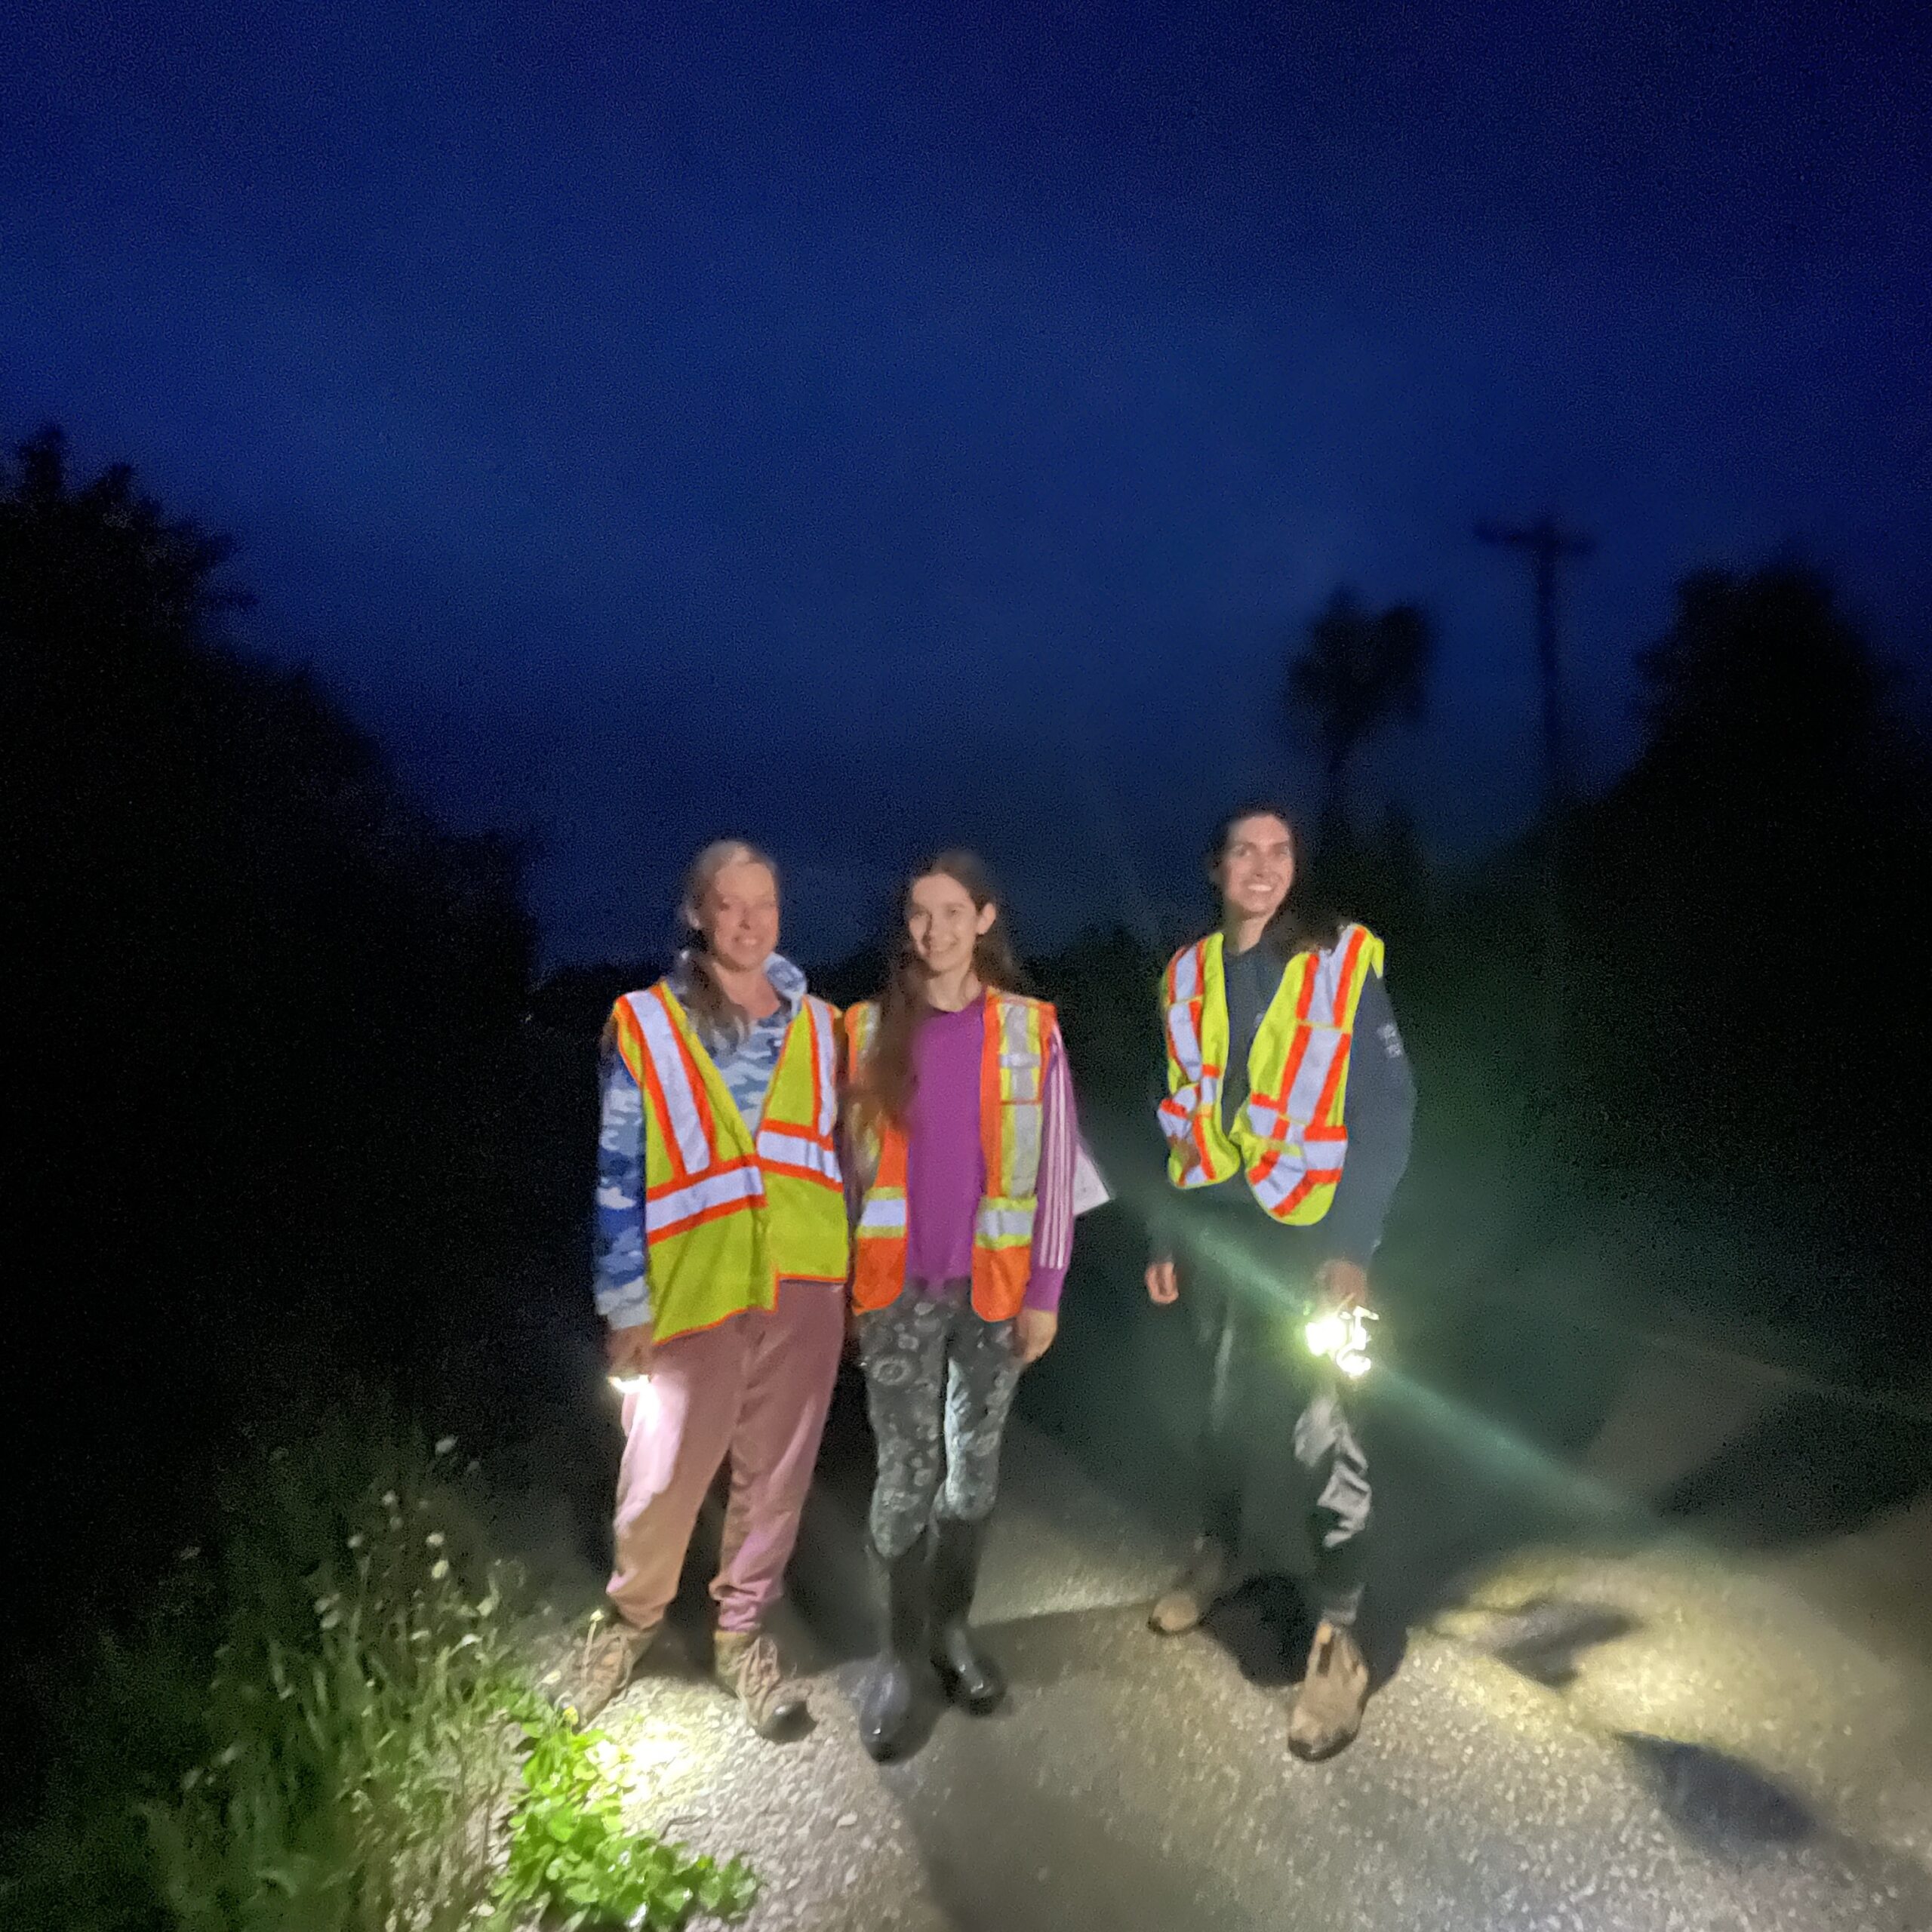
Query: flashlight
x=1342, y=1335
x=630, y=1385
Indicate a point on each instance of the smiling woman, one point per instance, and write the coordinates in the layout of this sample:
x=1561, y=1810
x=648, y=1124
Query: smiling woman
x=721, y=1256
x=1287, y=1119
x=963, y=1146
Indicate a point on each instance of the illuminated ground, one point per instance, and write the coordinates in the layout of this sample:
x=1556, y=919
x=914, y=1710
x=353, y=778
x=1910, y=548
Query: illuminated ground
x=1589, y=1721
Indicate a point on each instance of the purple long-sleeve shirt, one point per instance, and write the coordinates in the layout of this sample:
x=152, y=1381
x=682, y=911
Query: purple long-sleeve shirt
x=946, y=1170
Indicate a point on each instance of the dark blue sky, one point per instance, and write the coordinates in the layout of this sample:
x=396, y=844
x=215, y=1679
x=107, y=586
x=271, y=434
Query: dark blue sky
x=864, y=425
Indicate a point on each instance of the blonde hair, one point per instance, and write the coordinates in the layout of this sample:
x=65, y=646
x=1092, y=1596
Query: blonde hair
x=720, y=1020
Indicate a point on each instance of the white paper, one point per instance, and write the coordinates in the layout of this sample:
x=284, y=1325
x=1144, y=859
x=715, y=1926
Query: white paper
x=1090, y=1190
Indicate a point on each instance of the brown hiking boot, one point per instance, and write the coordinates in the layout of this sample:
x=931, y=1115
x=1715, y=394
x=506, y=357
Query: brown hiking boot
x=1201, y=1587
x=1328, y=1708
x=746, y=1663
x=611, y=1653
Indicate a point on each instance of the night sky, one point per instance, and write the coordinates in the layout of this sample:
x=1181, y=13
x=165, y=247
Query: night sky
x=863, y=426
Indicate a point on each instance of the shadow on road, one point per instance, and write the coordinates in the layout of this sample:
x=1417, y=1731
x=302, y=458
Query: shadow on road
x=1809, y=1467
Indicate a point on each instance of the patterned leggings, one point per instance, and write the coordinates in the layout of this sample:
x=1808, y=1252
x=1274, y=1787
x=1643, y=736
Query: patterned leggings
x=939, y=1384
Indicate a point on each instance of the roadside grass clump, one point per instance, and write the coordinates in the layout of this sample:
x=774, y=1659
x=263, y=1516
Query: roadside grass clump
x=327, y=1724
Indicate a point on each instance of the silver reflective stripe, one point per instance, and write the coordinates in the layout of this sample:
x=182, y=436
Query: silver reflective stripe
x=1323, y=1044
x=1022, y=1053
x=661, y=1041
x=664, y=1212
x=1187, y=974
x=1291, y=1168
x=825, y=1033
x=883, y=1214
x=1004, y=1223
x=793, y=1150
x=1184, y=1041
x=1022, y=1049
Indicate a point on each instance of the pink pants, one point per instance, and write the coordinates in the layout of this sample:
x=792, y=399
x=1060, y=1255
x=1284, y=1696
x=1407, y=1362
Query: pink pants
x=755, y=1388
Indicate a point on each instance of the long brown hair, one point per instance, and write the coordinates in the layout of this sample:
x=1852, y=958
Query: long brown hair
x=882, y=1085
x=1302, y=925
x=721, y=1022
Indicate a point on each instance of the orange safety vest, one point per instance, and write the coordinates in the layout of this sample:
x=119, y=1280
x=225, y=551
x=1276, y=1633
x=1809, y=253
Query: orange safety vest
x=1287, y=1137
x=726, y=1215
x=1020, y=1033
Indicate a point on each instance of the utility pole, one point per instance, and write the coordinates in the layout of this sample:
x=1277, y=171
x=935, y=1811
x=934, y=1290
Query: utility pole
x=1548, y=547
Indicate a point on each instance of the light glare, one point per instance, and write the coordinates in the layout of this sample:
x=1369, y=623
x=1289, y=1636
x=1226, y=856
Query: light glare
x=1341, y=1336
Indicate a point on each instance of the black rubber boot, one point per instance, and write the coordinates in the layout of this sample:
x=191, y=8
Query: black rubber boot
x=886, y=1701
x=970, y=1677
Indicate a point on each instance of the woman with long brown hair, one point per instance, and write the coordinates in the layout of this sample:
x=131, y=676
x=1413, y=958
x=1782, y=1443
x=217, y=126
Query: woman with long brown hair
x=962, y=1143
x=1287, y=1119
x=722, y=1245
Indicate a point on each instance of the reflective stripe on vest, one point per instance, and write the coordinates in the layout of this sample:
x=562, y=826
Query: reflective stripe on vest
x=1287, y=1137
x=800, y=1143
x=1018, y=1035
x=724, y=1218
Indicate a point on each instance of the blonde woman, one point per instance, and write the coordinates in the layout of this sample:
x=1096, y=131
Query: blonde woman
x=721, y=1261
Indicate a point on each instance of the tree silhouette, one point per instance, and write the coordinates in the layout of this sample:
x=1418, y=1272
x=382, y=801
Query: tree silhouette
x=1357, y=671
x=262, y=1031
x=1766, y=668
x=1748, y=898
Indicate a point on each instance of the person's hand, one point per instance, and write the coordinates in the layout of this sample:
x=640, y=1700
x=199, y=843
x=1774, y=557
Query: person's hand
x=1341, y=1283
x=629, y=1349
x=1033, y=1334
x=1163, y=1280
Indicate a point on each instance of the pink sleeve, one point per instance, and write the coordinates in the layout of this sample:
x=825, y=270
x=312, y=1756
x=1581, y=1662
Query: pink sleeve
x=1053, y=1222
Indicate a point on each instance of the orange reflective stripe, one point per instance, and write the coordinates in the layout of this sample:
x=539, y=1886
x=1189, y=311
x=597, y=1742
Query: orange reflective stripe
x=1344, y=1006
x=631, y=1048
x=1324, y=1108
x=1297, y=1053
x=1303, y=1189
x=993, y=1038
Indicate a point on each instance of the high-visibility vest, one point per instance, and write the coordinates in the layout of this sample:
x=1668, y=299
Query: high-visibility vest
x=727, y=1217
x=1288, y=1137
x=1020, y=1033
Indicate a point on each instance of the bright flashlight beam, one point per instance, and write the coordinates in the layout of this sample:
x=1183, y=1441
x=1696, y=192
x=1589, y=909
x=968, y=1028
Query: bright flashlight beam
x=1341, y=1336
x=630, y=1385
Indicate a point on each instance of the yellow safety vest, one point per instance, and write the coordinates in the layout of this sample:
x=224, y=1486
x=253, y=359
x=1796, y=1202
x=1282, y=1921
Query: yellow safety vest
x=1288, y=1136
x=727, y=1217
x=1019, y=1034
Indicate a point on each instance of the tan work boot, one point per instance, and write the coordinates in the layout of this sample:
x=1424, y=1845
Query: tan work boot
x=611, y=1653
x=1202, y=1586
x=746, y=1663
x=1328, y=1712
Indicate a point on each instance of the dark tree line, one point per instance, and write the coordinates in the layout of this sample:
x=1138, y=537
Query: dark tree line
x=1750, y=898
x=262, y=1019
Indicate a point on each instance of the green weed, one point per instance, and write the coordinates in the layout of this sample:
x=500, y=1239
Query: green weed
x=569, y=1853
x=328, y=1726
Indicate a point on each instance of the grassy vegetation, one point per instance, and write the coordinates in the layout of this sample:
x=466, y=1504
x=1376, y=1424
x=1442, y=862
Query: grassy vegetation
x=327, y=1723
